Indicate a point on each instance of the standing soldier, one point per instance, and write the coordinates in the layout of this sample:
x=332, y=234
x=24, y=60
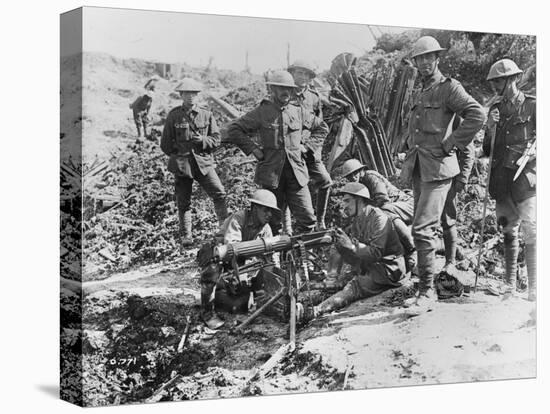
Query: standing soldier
x=308, y=98
x=431, y=162
x=189, y=137
x=281, y=167
x=513, y=173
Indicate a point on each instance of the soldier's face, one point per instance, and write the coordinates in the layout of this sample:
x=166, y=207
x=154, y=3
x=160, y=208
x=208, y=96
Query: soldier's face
x=189, y=98
x=354, y=177
x=281, y=94
x=263, y=214
x=426, y=64
x=301, y=77
x=350, y=205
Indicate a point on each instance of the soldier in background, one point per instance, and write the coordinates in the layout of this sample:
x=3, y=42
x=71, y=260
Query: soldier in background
x=513, y=119
x=308, y=98
x=431, y=162
x=142, y=106
x=189, y=137
x=281, y=167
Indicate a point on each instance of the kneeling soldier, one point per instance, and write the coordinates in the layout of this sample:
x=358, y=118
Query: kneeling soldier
x=372, y=248
x=244, y=225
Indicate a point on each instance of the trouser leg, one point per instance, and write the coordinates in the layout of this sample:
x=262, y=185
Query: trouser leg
x=298, y=199
x=321, y=181
x=429, y=203
x=183, y=192
x=528, y=216
x=350, y=293
x=448, y=222
x=212, y=185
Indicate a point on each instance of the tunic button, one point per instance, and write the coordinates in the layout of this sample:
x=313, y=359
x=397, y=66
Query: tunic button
x=416, y=130
x=417, y=116
x=416, y=145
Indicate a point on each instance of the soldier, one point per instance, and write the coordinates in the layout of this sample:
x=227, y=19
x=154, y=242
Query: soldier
x=244, y=225
x=308, y=98
x=286, y=133
x=513, y=120
x=372, y=249
x=431, y=161
x=141, y=107
x=189, y=137
x=394, y=202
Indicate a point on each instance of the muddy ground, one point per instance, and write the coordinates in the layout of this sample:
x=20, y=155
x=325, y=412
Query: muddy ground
x=140, y=294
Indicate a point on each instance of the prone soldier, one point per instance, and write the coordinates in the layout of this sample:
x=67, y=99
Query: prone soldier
x=189, y=137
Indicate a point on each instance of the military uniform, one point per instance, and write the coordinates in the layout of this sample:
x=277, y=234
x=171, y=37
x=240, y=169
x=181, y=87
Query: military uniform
x=140, y=108
x=431, y=162
x=515, y=200
x=310, y=101
x=388, y=197
x=377, y=259
x=239, y=226
x=189, y=138
x=282, y=169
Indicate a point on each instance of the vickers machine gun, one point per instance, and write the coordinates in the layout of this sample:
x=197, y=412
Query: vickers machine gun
x=292, y=267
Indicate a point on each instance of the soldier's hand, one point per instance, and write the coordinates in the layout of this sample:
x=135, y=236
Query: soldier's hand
x=342, y=240
x=493, y=118
x=196, y=139
x=258, y=153
x=303, y=148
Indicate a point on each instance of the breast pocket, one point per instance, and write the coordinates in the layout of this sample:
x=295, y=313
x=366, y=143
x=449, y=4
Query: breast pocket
x=270, y=134
x=432, y=118
x=293, y=133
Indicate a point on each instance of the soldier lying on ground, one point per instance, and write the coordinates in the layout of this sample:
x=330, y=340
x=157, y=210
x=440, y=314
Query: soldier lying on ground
x=244, y=225
x=371, y=247
x=396, y=203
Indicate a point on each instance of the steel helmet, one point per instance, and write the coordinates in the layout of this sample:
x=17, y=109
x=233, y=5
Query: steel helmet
x=189, y=85
x=425, y=44
x=264, y=198
x=356, y=190
x=351, y=166
x=303, y=64
x=281, y=78
x=503, y=68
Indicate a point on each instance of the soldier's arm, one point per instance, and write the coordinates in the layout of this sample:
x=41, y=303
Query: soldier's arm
x=212, y=140
x=466, y=162
x=233, y=231
x=239, y=131
x=317, y=133
x=168, y=136
x=377, y=189
x=461, y=103
x=372, y=248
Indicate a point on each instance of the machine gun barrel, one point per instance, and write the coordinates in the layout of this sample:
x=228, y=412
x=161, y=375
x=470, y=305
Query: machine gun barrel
x=268, y=245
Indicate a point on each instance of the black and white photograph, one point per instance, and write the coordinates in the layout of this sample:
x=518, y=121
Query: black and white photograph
x=258, y=206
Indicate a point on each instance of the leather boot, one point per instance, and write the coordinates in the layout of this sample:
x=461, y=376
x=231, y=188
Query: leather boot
x=511, y=250
x=531, y=262
x=450, y=237
x=338, y=300
x=186, y=225
x=322, y=202
x=426, y=270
